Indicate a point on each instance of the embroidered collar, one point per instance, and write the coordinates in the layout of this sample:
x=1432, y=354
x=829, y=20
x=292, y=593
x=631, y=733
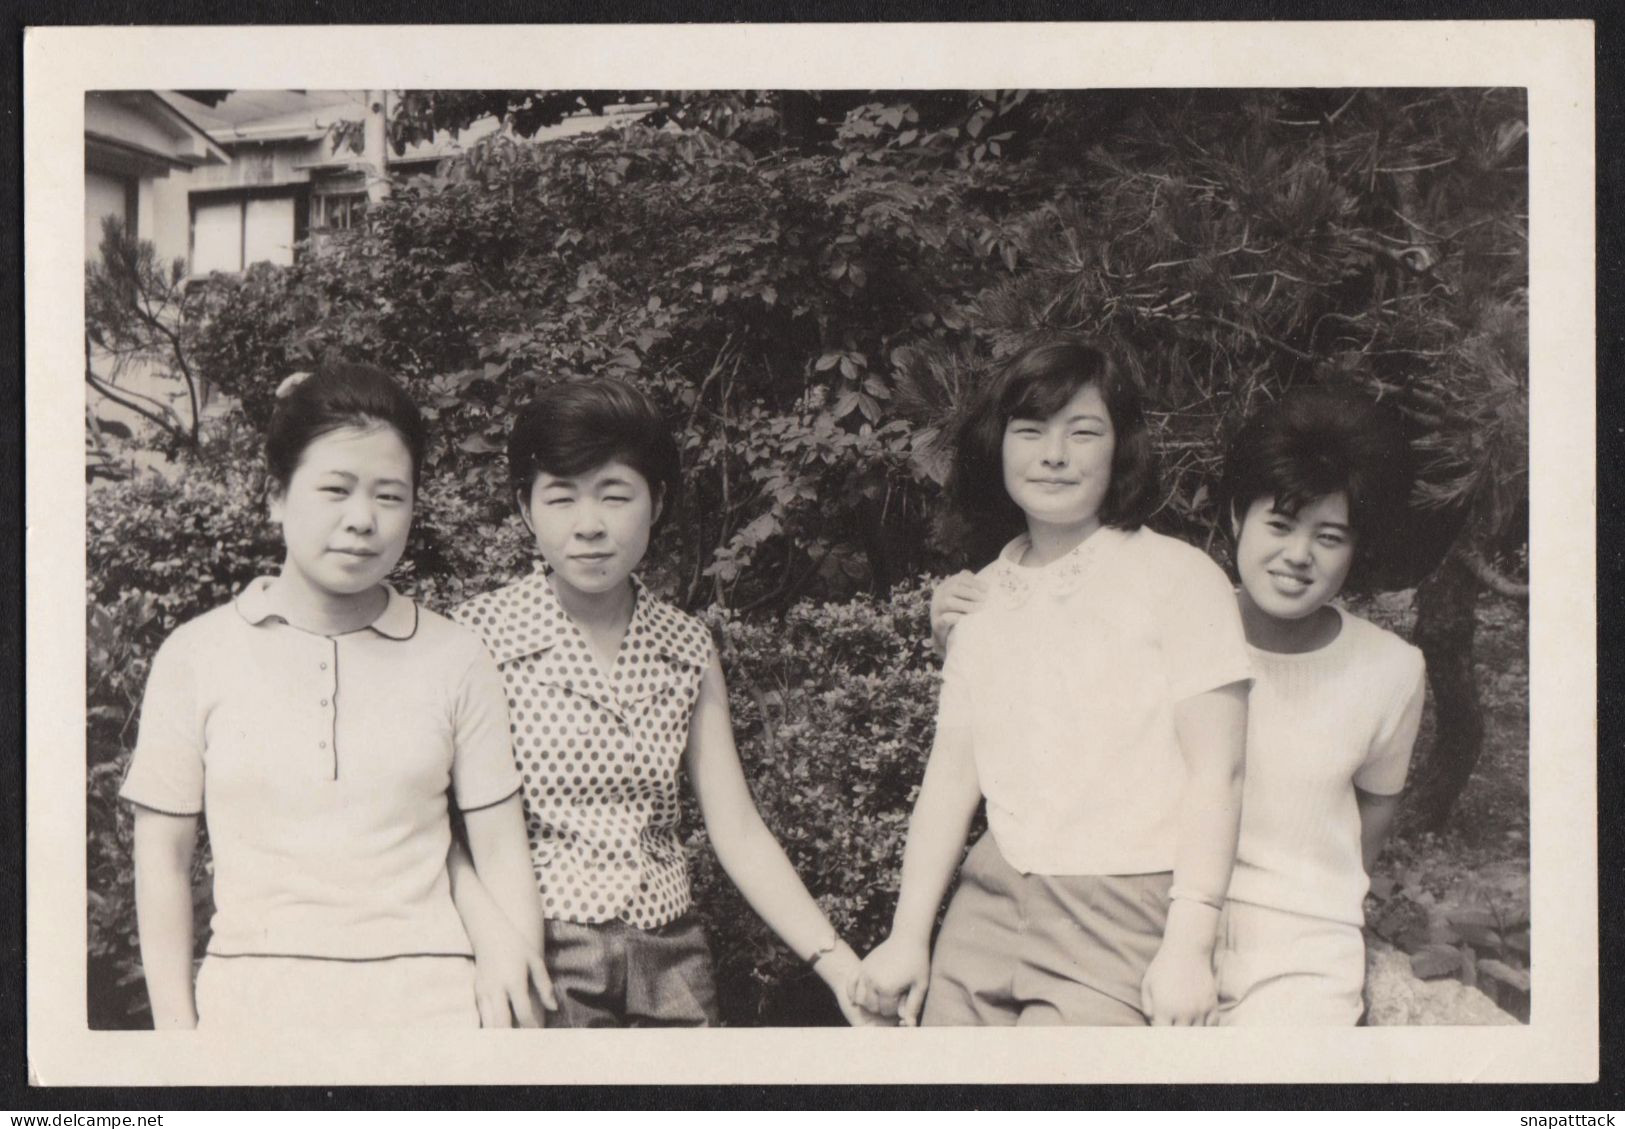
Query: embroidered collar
x=1015, y=583
x=398, y=620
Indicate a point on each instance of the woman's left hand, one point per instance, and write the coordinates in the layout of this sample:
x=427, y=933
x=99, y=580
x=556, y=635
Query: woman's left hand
x=1178, y=989
x=504, y=970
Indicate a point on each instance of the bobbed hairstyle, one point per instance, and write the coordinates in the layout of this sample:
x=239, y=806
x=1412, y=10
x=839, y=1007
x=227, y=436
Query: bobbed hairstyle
x=1314, y=442
x=575, y=426
x=1035, y=384
x=336, y=396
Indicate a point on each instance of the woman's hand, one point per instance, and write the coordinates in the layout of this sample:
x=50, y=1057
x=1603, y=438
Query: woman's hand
x=892, y=980
x=505, y=974
x=1178, y=989
x=952, y=600
x=506, y=964
x=839, y=970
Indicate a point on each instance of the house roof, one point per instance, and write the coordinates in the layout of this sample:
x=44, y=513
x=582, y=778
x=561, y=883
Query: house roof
x=140, y=132
x=262, y=116
x=238, y=110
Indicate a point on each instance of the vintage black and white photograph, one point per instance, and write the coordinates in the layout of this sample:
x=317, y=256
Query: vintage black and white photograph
x=789, y=556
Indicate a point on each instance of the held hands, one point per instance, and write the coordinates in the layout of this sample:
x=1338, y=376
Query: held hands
x=952, y=600
x=1178, y=989
x=840, y=970
x=892, y=979
x=509, y=980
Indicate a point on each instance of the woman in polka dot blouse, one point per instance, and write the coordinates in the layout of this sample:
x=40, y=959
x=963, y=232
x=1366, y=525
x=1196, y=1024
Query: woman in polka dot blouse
x=610, y=692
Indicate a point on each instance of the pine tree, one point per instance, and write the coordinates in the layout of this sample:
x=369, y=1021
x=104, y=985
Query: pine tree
x=1242, y=243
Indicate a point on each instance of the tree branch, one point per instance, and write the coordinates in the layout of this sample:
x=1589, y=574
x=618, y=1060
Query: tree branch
x=108, y=390
x=1491, y=577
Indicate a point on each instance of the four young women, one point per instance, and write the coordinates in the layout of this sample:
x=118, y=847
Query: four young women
x=1126, y=717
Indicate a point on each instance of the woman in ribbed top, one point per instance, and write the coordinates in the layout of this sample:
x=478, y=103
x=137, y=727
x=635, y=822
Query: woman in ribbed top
x=1310, y=487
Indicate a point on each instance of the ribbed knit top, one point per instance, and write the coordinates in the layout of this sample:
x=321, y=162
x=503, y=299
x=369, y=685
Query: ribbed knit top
x=1319, y=725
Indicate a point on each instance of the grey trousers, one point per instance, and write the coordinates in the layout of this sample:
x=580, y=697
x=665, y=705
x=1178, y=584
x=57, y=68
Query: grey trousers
x=1037, y=949
x=611, y=974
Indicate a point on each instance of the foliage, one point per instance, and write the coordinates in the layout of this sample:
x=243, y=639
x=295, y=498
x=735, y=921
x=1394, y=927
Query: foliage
x=1240, y=246
x=758, y=303
x=418, y=116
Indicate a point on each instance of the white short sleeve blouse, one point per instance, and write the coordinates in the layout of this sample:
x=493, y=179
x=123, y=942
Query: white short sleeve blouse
x=1064, y=683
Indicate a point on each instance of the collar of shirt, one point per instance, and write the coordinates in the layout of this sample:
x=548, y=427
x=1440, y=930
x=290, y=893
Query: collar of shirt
x=656, y=630
x=398, y=620
x=1015, y=583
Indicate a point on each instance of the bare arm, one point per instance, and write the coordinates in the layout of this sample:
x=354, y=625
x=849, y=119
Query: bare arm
x=748, y=851
x=501, y=855
x=1212, y=730
x=1376, y=821
x=163, y=907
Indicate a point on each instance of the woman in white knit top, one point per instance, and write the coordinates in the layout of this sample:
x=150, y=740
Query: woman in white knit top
x=1332, y=714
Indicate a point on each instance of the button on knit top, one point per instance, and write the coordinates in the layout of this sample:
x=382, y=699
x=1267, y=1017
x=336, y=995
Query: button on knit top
x=600, y=753
x=1320, y=724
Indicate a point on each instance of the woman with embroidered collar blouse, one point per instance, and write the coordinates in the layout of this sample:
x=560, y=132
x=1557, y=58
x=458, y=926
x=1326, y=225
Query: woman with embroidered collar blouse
x=612, y=692
x=324, y=724
x=1097, y=705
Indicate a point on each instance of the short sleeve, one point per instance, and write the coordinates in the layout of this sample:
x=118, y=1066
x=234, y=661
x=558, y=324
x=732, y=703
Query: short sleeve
x=1203, y=646
x=1383, y=773
x=166, y=769
x=482, y=764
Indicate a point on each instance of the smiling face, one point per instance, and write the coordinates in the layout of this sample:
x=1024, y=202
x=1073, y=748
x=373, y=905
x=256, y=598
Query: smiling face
x=592, y=528
x=346, y=510
x=1059, y=469
x=1291, y=565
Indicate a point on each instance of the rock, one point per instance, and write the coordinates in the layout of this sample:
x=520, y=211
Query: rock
x=1396, y=997
x=1507, y=985
x=1434, y=961
x=1439, y=932
x=1515, y=978
x=1472, y=917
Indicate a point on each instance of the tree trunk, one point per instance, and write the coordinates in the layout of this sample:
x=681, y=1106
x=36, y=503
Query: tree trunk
x=375, y=145
x=798, y=120
x=1445, y=623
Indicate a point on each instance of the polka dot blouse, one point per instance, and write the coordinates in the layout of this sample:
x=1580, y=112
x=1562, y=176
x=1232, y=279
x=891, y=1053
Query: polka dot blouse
x=600, y=755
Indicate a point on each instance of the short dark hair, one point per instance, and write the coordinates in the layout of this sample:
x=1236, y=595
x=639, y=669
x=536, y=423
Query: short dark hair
x=339, y=395
x=1035, y=384
x=575, y=426
x=1318, y=441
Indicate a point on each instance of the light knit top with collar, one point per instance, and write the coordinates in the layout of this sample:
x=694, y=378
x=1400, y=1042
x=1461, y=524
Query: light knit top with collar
x=325, y=767
x=1063, y=683
x=600, y=755
x=1320, y=724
